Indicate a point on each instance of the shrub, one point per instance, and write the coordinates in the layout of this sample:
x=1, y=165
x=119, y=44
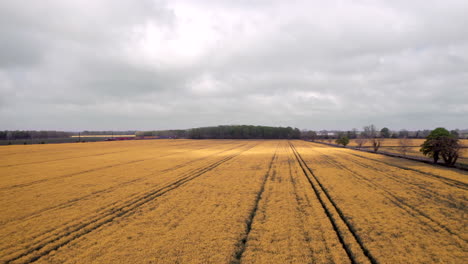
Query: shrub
x=343, y=140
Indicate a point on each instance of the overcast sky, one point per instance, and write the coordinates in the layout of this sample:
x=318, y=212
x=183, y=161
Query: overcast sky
x=149, y=64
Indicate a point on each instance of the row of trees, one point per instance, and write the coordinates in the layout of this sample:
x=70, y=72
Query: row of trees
x=439, y=143
x=174, y=133
x=369, y=133
x=32, y=134
x=229, y=132
x=109, y=132
x=244, y=132
x=384, y=133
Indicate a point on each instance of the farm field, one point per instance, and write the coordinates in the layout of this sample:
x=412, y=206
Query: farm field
x=392, y=145
x=226, y=201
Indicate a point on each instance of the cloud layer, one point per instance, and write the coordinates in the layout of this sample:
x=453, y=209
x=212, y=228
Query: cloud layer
x=102, y=65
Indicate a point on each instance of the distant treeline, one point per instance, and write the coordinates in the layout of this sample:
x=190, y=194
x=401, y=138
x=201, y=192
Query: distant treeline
x=383, y=133
x=48, y=134
x=32, y=134
x=244, y=132
x=229, y=132
x=86, y=132
x=174, y=133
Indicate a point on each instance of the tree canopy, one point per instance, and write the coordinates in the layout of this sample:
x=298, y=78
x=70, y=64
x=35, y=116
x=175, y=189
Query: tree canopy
x=229, y=132
x=343, y=140
x=441, y=143
x=244, y=132
x=385, y=132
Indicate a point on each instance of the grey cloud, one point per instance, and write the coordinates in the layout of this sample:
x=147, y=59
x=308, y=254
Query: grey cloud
x=152, y=65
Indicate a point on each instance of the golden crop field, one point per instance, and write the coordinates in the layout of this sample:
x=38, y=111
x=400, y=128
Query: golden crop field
x=392, y=145
x=226, y=201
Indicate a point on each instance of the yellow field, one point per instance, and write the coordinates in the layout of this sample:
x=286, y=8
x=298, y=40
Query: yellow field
x=226, y=201
x=392, y=145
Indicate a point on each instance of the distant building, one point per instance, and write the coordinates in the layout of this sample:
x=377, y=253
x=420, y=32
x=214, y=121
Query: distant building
x=327, y=133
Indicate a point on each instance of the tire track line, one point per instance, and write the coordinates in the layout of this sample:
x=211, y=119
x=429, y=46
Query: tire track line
x=243, y=242
x=301, y=203
x=12, y=187
x=42, y=248
x=349, y=239
x=76, y=157
x=46, y=161
x=403, y=180
x=6, y=188
x=98, y=210
x=448, y=181
x=69, y=203
x=120, y=185
x=413, y=211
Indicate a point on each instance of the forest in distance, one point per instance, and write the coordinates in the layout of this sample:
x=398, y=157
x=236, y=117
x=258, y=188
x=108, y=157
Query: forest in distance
x=450, y=145
x=229, y=132
x=224, y=132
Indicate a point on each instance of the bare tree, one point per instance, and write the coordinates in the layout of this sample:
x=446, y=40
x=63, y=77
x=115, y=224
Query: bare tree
x=361, y=140
x=405, y=145
x=376, y=142
x=372, y=133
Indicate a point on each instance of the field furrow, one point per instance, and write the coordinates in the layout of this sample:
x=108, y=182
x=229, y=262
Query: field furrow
x=426, y=171
x=185, y=224
x=290, y=226
x=100, y=192
x=243, y=241
x=400, y=200
x=394, y=207
x=61, y=235
x=57, y=170
x=349, y=238
x=226, y=201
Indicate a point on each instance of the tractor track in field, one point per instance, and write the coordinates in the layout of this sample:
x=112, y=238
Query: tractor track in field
x=55, y=152
x=47, y=161
x=301, y=204
x=103, y=208
x=448, y=181
x=399, y=202
x=21, y=185
x=7, y=188
x=109, y=189
x=425, y=192
x=43, y=247
x=242, y=244
x=75, y=157
x=339, y=222
x=198, y=159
